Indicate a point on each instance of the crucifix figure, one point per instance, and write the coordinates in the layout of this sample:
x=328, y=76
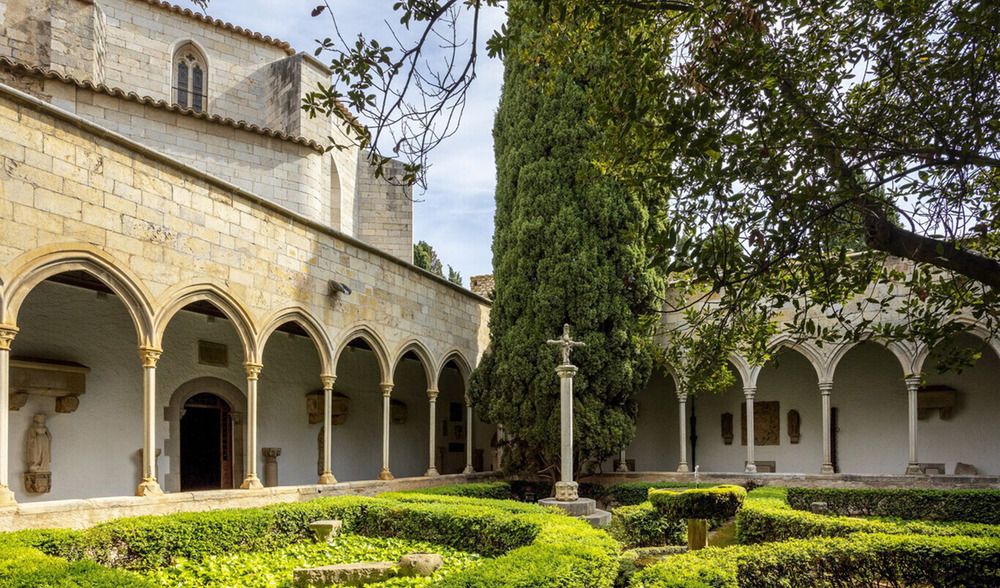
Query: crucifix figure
x=566, y=488
x=566, y=343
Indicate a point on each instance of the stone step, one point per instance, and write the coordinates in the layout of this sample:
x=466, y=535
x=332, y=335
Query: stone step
x=599, y=518
x=574, y=508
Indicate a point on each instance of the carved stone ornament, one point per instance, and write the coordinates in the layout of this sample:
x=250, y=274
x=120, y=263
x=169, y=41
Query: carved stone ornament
x=339, y=410
x=727, y=428
x=936, y=397
x=766, y=423
x=38, y=475
x=314, y=407
x=63, y=381
x=794, y=426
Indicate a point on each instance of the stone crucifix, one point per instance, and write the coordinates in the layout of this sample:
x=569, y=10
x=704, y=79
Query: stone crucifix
x=566, y=488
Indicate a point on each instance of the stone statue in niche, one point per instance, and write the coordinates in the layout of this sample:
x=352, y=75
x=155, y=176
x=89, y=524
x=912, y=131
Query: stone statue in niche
x=727, y=428
x=38, y=477
x=794, y=426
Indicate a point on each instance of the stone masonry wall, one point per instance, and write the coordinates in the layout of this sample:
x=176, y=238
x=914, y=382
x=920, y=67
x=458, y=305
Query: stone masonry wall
x=168, y=226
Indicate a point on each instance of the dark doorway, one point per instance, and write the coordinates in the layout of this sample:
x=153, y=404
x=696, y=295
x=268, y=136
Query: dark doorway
x=206, y=444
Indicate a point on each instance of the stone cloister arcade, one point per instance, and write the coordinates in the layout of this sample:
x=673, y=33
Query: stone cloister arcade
x=858, y=408
x=77, y=302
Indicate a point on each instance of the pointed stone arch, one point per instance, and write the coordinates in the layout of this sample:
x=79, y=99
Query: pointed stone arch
x=748, y=373
x=369, y=336
x=34, y=267
x=420, y=350
x=464, y=367
x=177, y=298
x=310, y=325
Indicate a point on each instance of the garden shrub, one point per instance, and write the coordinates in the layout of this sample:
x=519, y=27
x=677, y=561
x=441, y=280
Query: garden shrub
x=495, y=490
x=27, y=567
x=625, y=493
x=719, y=502
x=975, y=506
x=765, y=516
x=861, y=560
x=641, y=525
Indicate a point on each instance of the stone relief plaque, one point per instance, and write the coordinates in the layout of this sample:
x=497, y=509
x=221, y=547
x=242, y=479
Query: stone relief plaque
x=794, y=426
x=727, y=428
x=766, y=423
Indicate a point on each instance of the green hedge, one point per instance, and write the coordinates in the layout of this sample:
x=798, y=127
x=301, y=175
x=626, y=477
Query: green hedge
x=495, y=490
x=530, y=545
x=862, y=560
x=974, y=506
x=626, y=493
x=719, y=502
x=641, y=525
x=766, y=516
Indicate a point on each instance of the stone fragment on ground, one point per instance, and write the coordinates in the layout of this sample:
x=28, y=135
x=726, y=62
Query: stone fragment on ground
x=360, y=574
x=325, y=531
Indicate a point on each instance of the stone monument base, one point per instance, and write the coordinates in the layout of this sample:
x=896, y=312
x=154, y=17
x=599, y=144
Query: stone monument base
x=581, y=508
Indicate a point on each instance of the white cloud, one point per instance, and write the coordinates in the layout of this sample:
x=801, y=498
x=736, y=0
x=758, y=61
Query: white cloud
x=455, y=214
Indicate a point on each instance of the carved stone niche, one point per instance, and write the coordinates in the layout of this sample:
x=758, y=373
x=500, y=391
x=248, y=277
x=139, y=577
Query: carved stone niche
x=64, y=381
x=397, y=412
x=341, y=408
x=794, y=426
x=727, y=428
x=941, y=398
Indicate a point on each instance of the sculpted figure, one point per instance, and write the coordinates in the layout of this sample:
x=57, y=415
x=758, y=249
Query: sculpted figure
x=39, y=445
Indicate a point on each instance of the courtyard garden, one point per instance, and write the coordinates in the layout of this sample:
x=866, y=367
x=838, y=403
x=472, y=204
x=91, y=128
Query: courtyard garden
x=766, y=537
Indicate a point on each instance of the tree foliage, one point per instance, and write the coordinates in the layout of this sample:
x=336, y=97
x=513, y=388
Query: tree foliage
x=426, y=258
x=569, y=247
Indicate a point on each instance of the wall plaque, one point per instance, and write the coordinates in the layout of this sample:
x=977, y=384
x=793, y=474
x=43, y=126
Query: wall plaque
x=766, y=423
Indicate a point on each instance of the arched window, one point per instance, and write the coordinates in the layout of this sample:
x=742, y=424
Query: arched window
x=190, y=75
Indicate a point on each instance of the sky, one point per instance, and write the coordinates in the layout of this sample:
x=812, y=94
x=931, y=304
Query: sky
x=455, y=213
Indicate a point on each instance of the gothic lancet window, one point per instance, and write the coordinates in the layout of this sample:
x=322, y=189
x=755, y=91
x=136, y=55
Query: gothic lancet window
x=190, y=77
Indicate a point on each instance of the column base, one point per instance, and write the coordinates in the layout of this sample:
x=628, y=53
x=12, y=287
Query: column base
x=431, y=473
x=327, y=479
x=385, y=474
x=622, y=467
x=468, y=470
x=827, y=468
x=683, y=467
x=7, y=497
x=751, y=468
x=251, y=483
x=149, y=487
x=913, y=469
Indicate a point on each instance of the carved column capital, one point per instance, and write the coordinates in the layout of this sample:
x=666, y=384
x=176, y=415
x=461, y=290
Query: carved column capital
x=328, y=381
x=432, y=394
x=253, y=370
x=149, y=356
x=682, y=397
x=913, y=382
x=386, y=390
x=826, y=388
x=271, y=453
x=750, y=392
x=7, y=334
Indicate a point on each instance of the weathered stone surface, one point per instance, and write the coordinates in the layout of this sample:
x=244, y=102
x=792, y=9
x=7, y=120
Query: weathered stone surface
x=354, y=574
x=964, y=469
x=566, y=491
x=574, y=508
x=819, y=507
x=420, y=564
x=325, y=530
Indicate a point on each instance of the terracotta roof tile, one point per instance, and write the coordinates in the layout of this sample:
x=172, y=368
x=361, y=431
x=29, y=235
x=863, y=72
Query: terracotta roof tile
x=228, y=26
x=44, y=72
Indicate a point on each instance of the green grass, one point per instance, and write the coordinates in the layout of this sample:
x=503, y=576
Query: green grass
x=273, y=569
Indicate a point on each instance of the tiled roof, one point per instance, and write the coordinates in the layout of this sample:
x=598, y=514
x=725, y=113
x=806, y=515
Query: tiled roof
x=44, y=72
x=228, y=26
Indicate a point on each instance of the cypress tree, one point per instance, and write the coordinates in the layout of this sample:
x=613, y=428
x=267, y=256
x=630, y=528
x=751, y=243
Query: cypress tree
x=569, y=247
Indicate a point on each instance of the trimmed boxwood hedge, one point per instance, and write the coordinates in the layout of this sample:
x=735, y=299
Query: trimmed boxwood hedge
x=766, y=516
x=531, y=545
x=974, y=506
x=718, y=502
x=495, y=490
x=641, y=525
x=861, y=560
x=626, y=493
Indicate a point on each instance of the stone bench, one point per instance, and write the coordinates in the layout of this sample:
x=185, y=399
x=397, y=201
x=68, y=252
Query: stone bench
x=325, y=530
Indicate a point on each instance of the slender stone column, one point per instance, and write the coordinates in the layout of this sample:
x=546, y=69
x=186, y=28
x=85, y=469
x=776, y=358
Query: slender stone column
x=432, y=395
x=566, y=373
x=468, y=436
x=622, y=464
x=251, y=481
x=149, y=485
x=327, y=476
x=7, y=333
x=825, y=389
x=683, y=465
x=385, y=474
x=912, y=388
x=271, y=455
x=749, y=392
